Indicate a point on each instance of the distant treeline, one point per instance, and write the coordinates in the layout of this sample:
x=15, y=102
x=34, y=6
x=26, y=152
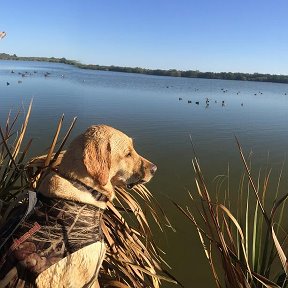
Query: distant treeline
x=158, y=72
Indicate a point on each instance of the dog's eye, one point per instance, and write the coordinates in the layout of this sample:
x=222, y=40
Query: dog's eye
x=128, y=154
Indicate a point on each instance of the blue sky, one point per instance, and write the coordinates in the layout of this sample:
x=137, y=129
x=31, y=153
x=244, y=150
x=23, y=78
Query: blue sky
x=206, y=35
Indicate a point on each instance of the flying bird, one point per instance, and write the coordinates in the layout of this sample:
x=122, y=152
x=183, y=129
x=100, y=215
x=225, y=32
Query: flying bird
x=2, y=35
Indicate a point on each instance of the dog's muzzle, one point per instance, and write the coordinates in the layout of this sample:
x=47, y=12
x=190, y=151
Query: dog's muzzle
x=142, y=180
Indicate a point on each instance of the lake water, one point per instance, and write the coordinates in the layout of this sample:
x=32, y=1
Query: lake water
x=148, y=109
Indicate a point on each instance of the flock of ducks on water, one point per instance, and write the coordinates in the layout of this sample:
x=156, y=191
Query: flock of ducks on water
x=223, y=103
x=27, y=74
x=207, y=100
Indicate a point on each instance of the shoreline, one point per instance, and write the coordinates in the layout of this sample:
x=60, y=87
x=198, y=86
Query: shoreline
x=257, y=77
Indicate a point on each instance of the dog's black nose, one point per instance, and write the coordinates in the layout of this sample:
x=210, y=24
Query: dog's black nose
x=153, y=169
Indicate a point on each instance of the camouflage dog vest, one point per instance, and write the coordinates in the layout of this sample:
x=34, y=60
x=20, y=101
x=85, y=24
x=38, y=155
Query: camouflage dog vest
x=55, y=229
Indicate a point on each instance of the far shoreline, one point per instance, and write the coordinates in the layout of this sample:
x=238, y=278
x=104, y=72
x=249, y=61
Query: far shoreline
x=258, y=77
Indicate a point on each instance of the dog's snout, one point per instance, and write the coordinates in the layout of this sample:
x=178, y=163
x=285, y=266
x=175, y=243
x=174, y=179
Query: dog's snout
x=153, y=169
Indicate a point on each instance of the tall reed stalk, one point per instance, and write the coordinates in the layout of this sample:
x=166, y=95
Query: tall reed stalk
x=245, y=245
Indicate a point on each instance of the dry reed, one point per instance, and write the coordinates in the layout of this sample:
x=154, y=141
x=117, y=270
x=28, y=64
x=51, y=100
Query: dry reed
x=243, y=248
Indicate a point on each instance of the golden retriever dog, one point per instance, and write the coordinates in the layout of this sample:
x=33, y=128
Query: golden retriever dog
x=61, y=244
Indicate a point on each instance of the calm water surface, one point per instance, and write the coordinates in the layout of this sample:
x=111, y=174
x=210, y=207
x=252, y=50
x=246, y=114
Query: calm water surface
x=148, y=109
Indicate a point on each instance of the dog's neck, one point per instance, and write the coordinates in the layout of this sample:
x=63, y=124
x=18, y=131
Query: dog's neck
x=53, y=185
x=98, y=196
x=80, y=175
x=79, y=171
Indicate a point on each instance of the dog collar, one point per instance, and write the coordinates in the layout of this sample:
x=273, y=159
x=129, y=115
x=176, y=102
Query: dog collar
x=98, y=196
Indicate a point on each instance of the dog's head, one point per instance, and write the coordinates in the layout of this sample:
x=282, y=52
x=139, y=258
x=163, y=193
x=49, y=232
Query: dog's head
x=109, y=156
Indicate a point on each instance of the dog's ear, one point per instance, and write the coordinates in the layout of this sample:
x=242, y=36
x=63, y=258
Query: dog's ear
x=97, y=159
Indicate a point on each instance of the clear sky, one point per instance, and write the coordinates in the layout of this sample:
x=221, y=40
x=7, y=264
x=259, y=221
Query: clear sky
x=206, y=35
